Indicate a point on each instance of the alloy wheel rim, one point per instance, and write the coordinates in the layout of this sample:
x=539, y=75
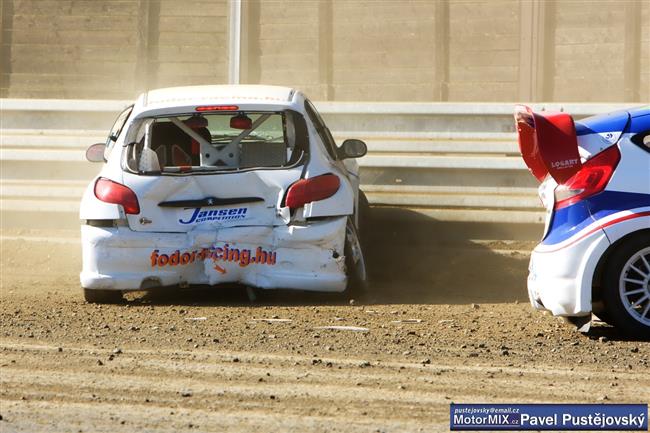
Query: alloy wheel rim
x=634, y=286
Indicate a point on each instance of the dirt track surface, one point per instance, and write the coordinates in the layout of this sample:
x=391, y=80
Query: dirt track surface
x=208, y=360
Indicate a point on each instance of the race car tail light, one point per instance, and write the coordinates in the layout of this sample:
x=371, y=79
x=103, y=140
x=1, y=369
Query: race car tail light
x=592, y=178
x=313, y=189
x=217, y=108
x=112, y=192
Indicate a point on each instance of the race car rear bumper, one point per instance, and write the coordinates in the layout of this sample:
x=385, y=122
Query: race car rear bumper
x=560, y=279
x=306, y=257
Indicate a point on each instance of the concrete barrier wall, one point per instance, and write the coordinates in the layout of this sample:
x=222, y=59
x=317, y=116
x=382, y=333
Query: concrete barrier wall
x=340, y=50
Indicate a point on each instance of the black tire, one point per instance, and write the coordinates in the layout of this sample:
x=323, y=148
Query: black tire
x=364, y=226
x=364, y=215
x=95, y=296
x=623, y=314
x=357, y=272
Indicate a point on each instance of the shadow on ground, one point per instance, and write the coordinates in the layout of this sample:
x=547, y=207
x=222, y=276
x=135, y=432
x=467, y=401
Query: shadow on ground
x=603, y=332
x=416, y=259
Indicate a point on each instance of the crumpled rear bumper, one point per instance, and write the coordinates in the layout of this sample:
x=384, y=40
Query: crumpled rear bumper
x=306, y=257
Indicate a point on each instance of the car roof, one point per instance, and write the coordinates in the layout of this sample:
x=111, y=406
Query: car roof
x=602, y=123
x=640, y=111
x=215, y=94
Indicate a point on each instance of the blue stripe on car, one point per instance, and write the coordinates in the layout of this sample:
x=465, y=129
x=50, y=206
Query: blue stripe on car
x=570, y=220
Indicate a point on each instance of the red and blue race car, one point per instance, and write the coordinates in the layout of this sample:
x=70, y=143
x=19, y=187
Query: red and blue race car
x=595, y=184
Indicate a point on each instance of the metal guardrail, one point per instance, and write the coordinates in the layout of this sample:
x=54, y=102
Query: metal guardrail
x=450, y=161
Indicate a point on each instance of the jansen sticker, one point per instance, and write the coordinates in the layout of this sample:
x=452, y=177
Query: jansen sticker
x=200, y=215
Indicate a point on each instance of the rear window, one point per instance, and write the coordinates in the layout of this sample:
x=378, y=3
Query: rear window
x=228, y=141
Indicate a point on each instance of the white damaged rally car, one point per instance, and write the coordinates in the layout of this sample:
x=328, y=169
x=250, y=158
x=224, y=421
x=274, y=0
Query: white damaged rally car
x=206, y=185
x=595, y=252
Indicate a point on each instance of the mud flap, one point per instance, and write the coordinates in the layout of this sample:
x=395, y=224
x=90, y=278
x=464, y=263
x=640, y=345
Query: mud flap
x=582, y=323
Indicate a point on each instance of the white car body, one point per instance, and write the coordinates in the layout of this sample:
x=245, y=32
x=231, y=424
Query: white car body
x=586, y=230
x=194, y=225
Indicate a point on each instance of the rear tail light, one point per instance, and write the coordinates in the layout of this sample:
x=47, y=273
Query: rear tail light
x=313, y=189
x=592, y=178
x=112, y=192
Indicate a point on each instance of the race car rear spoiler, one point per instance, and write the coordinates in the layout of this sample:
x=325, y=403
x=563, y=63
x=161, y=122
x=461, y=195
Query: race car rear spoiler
x=548, y=143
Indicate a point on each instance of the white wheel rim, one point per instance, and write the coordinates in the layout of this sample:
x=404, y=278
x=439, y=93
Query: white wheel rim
x=634, y=286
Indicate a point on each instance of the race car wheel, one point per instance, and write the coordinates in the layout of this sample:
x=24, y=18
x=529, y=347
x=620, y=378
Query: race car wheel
x=627, y=287
x=355, y=262
x=364, y=216
x=95, y=296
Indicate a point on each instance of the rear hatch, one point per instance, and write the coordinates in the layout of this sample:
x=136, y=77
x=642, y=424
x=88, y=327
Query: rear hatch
x=215, y=169
x=181, y=203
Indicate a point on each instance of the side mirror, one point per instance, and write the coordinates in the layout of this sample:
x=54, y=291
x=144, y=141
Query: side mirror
x=352, y=148
x=95, y=153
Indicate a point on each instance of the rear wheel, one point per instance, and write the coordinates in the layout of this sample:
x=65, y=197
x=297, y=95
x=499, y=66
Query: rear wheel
x=364, y=216
x=355, y=262
x=627, y=287
x=97, y=296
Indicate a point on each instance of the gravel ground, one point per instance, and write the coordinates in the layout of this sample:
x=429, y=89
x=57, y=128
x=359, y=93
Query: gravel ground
x=444, y=321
